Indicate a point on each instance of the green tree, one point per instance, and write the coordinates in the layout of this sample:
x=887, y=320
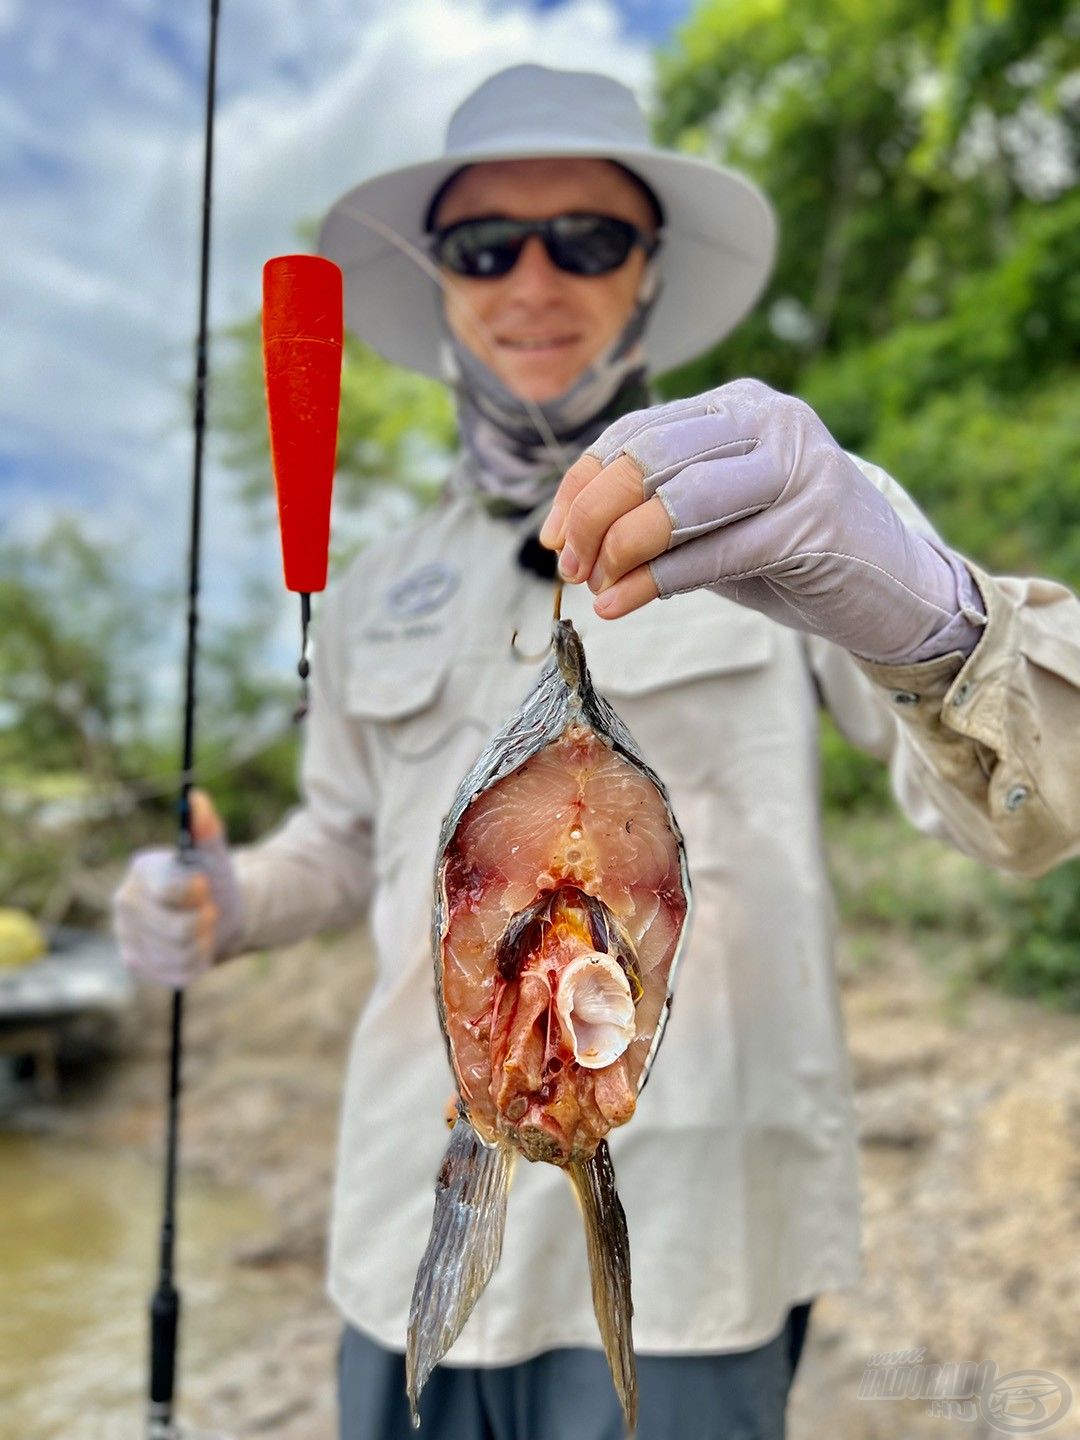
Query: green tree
x=89, y=766
x=897, y=140
x=922, y=159
x=73, y=646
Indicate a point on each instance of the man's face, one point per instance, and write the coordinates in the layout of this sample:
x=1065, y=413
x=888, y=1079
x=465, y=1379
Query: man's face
x=538, y=327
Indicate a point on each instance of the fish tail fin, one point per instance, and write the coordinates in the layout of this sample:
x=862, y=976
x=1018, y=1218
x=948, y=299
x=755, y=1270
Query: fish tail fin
x=609, y=1266
x=462, y=1252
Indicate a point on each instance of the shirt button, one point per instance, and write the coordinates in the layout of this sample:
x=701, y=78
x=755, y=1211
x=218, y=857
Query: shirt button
x=1015, y=797
x=963, y=692
x=905, y=697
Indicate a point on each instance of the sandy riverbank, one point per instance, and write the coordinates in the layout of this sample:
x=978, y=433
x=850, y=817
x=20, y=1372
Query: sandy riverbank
x=970, y=1116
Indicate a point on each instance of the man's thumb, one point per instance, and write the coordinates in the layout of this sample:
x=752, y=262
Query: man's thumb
x=206, y=824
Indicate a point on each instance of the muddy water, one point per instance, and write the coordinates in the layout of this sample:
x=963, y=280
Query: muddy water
x=78, y=1245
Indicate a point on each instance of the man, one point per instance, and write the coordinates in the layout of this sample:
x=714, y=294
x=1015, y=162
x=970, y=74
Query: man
x=738, y=1172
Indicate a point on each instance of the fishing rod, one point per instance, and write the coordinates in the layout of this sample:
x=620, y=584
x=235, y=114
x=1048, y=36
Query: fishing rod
x=303, y=325
x=165, y=1301
x=302, y=333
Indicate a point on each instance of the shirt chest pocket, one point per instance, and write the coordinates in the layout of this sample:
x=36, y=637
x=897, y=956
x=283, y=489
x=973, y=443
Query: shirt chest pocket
x=413, y=701
x=691, y=676
x=687, y=676
x=672, y=641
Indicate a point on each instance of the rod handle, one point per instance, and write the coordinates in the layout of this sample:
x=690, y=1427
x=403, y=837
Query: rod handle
x=164, y=1323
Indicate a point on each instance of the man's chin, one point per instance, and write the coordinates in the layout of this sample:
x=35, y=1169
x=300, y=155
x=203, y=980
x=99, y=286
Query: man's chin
x=539, y=389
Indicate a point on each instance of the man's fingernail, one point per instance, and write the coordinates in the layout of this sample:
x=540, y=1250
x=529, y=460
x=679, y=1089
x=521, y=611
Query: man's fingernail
x=550, y=528
x=568, y=564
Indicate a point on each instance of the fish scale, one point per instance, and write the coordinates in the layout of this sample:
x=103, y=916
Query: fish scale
x=561, y=906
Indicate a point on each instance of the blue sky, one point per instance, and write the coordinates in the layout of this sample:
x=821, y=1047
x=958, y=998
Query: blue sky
x=100, y=169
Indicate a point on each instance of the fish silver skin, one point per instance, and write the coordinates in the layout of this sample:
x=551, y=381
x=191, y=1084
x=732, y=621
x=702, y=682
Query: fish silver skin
x=562, y=902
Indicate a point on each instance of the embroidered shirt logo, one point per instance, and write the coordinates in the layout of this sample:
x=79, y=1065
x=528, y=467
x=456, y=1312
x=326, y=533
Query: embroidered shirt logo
x=422, y=591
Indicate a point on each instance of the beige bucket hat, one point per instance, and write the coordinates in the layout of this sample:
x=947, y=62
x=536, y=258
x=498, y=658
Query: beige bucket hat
x=719, y=235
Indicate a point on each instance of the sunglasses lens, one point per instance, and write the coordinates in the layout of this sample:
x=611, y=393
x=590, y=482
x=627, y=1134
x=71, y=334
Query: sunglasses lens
x=590, y=244
x=578, y=244
x=480, y=248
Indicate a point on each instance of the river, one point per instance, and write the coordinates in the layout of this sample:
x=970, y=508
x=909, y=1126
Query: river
x=78, y=1254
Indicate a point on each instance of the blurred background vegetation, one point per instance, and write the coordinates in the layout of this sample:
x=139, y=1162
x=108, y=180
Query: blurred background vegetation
x=922, y=159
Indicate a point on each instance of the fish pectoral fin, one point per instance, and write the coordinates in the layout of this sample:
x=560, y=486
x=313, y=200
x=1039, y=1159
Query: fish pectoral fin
x=609, y=1268
x=462, y=1252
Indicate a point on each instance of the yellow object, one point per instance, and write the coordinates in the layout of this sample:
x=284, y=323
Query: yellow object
x=22, y=939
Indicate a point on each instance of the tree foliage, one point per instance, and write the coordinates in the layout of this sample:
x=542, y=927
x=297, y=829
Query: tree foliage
x=89, y=769
x=900, y=142
x=922, y=159
x=72, y=637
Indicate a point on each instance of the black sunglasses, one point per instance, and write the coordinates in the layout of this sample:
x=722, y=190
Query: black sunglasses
x=488, y=247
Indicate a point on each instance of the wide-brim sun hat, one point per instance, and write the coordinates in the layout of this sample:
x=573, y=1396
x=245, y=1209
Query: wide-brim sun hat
x=719, y=234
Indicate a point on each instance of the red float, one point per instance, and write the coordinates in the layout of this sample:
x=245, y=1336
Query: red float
x=302, y=338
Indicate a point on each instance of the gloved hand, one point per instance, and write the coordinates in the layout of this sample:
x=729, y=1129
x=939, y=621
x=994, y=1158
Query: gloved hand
x=743, y=490
x=173, y=919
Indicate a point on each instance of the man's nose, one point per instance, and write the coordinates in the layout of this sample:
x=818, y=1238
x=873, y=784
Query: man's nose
x=535, y=272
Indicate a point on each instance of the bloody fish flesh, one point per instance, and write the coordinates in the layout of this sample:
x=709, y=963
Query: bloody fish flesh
x=561, y=902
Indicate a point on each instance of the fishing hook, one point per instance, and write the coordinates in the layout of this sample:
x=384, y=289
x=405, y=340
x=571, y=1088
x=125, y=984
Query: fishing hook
x=519, y=655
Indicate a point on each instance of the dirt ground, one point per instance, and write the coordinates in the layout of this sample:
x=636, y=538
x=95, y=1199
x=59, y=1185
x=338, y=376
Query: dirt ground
x=970, y=1125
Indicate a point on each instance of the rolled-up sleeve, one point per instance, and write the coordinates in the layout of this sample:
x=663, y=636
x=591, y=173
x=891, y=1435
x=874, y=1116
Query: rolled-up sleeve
x=315, y=872
x=984, y=751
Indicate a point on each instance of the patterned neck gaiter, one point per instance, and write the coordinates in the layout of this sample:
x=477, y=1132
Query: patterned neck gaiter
x=506, y=461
